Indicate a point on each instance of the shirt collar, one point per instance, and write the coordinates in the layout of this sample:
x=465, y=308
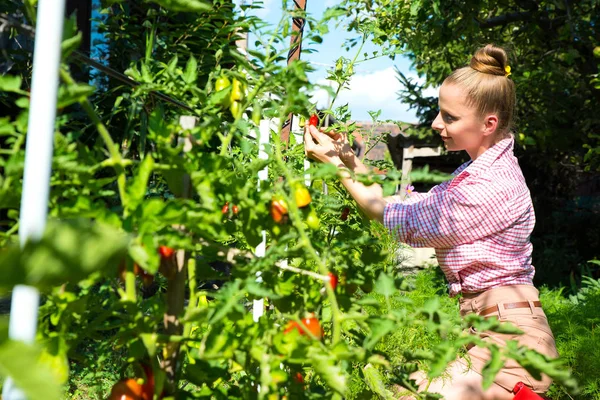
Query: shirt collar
x=485, y=161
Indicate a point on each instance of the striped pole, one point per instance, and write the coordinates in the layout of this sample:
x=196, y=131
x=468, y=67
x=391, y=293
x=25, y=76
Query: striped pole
x=293, y=55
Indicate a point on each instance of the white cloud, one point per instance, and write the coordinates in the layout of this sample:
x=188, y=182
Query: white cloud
x=372, y=91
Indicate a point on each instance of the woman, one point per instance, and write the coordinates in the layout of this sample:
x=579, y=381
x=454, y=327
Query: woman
x=479, y=222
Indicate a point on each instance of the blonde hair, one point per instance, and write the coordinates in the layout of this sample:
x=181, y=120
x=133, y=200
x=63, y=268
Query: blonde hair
x=488, y=87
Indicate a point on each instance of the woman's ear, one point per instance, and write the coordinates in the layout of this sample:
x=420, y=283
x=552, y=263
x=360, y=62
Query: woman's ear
x=490, y=123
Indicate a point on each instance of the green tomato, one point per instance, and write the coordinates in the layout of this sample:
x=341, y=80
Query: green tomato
x=222, y=83
x=312, y=220
x=236, y=109
x=237, y=91
x=256, y=113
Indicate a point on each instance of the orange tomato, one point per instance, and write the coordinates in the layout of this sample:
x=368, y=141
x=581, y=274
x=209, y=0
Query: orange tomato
x=279, y=210
x=310, y=325
x=126, y=389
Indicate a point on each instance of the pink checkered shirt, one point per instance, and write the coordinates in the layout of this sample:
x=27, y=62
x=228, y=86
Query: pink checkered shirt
x=479, y=222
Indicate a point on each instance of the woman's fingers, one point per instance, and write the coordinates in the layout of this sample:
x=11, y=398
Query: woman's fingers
x=332, y=134
x=319, y=137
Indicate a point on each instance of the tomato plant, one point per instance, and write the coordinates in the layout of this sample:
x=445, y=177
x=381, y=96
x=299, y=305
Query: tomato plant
x=131, y=174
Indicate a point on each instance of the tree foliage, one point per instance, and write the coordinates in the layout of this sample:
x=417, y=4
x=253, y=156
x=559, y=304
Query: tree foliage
x=551, y=45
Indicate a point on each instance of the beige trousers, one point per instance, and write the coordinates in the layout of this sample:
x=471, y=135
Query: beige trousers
x=464, y=377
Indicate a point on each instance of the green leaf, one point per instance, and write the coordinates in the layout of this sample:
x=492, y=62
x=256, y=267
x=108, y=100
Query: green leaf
x=379, y=328
x=385, y=285
x=71, y=94
x=230, y=296
x=375, y=381
x=139, y=186
x=492, y=367
x=68, y=46
x=68, y=251
x=71, y=38
x=201, y=372
x=191, y=71
x=22, y=363
x=183, y=5
x=10, y=83
x=414, y=7
x=149, y=340
x=445, y=353
x=325, y=366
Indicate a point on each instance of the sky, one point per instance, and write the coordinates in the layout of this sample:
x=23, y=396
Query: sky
x=374, y=85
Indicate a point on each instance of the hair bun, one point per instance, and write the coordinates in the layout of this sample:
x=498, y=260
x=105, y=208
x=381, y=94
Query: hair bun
x=490, y=60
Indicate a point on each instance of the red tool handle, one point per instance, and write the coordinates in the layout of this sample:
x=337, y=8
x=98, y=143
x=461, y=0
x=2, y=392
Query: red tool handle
x=522, y=392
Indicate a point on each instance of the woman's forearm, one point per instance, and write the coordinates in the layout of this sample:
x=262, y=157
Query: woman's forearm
x=353, y=163
x=369, y=198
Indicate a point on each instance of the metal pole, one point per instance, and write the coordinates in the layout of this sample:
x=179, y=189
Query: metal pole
x=38, y=161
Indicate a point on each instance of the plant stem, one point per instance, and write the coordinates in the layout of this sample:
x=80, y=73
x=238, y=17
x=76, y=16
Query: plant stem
x=337, y=92
x=300, y=271
x=101, y=128
x=305, y=240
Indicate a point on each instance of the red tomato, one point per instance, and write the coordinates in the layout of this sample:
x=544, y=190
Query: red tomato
x=166, y=251
x=235, y=209
x=345, y=213
x=309, y=325
x=313, y=120
x=333, y=280
x=225, y=208
x=127, y=389
x=298, y=378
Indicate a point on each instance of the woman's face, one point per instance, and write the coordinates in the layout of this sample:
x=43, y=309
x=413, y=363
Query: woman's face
x=459, y=124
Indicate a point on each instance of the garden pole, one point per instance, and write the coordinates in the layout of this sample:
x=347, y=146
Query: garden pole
x=38, y=161
x=264, y=133
x=293, y=55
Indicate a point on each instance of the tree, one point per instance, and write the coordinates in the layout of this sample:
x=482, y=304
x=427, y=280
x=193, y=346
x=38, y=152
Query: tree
x=551, y=46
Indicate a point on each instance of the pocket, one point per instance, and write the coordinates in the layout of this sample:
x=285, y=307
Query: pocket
x=534, y=326
x=537, y=336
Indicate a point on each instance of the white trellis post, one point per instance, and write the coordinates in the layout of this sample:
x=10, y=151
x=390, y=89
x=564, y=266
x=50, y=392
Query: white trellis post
x=38, y=162
x=264, y=133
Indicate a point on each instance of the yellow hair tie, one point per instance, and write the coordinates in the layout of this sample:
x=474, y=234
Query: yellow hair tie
x=507, y=70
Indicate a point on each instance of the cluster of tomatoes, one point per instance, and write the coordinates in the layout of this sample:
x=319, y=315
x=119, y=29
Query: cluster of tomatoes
x=236, y=94
x=229, y=211
x=301, y=195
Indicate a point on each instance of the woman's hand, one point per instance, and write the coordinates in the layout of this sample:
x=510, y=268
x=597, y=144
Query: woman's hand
x=328, y=147
x=333, y=148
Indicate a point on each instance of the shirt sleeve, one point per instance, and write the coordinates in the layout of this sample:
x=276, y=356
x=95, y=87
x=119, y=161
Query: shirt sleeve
x=416, y=196
x=462, y=214
x=408, y=199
